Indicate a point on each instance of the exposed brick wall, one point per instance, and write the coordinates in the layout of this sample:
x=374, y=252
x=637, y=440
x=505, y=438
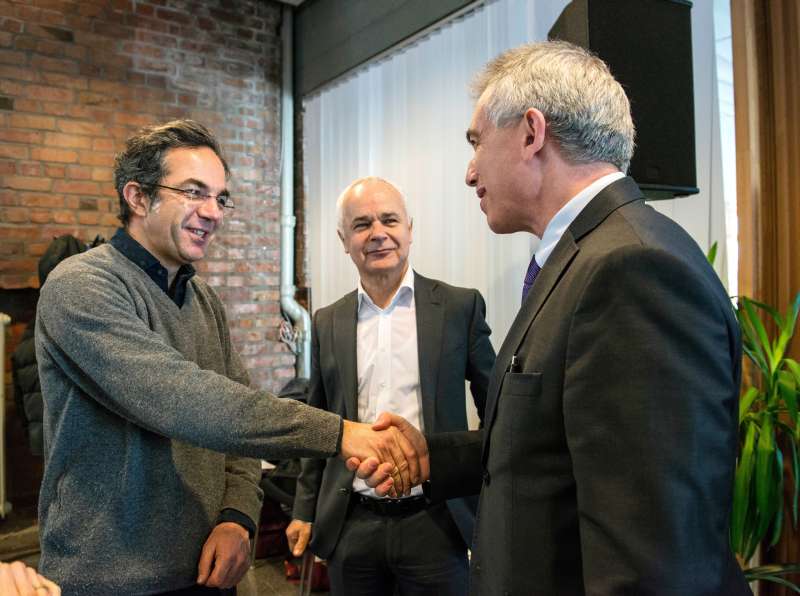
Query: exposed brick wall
x=77, y=77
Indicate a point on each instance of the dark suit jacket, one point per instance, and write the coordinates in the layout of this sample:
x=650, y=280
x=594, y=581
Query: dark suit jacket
x=608, y=459
x=453, y=345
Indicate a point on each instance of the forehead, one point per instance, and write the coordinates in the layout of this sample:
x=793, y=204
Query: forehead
x=373, y=199
x=196, y=163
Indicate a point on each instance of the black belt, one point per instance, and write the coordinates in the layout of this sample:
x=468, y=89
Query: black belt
x=405, y=506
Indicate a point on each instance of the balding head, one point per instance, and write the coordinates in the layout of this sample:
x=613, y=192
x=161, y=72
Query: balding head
x=361, y=187
x=374, y=227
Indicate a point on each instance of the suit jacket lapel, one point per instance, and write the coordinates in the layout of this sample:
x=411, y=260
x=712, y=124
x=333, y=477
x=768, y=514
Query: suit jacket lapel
x=618, y=193
x=557, y=263
x=345, y=320
x=429, y=304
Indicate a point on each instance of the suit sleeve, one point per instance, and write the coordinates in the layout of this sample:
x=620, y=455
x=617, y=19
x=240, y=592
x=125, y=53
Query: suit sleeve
x=456, y=469
x=310, y=478
x=649, y=413
x=481, y=355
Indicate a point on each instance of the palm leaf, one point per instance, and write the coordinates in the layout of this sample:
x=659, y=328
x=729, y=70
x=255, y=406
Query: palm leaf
x=741, y=491
x=746, y=401
x=712, y=254
x=765, y=453
x=777, y=523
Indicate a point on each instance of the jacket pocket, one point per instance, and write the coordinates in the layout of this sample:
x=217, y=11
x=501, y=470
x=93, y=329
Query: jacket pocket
x=522, y=384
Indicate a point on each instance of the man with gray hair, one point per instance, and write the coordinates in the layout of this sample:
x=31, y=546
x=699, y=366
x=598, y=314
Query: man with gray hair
x=399, y=343
x=606, y=463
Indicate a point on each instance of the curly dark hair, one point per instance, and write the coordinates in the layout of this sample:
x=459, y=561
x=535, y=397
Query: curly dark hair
x=142, y=160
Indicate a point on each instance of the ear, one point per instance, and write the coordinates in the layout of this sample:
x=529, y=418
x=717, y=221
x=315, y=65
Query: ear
x=535, y=129
x=136, y=198
x=344, y=244
x=410, y=230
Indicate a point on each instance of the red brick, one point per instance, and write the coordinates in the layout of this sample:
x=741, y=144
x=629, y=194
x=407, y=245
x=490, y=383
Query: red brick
x=27, y=183
x=55, y=109
x=41, y=200
x=55, y=139
x=55, y=171
x=7, y=166
x=18, y=265
x=20, y=136
x=102, y=144
x=75, y=187
x=79, y=172
x=11, y=88
x=27, y=168
x=33, y=121
x=109, y=219
x=64, y=217
x=13, y=151
x=102, y=174
x=40, y=216
x=36, y=249
x=14, y=215
x=20, y=233
x=80, y=128
x=17, y=73
x=49, y=93
x=96, y=158
x=137, y=120
x=89, y=218
x=59, y=155
x=57, y=65
x=65, y=80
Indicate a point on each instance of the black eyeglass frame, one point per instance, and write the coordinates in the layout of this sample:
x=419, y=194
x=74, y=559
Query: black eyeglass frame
x=223, y=200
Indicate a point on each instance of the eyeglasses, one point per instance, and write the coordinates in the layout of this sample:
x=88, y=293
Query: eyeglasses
x=198, y=196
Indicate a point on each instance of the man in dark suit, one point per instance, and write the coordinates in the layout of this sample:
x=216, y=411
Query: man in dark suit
x=606, y=463
x=405, y=344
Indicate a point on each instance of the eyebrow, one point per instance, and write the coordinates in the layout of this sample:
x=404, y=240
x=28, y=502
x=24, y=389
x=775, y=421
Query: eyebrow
x=224, y=192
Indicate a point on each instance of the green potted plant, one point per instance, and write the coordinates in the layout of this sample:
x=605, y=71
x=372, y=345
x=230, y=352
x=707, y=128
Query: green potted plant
x=769, y=431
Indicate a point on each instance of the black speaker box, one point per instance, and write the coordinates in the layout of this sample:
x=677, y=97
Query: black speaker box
x=647, y=44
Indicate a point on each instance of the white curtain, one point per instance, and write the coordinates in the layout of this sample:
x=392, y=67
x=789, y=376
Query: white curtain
x=404, y=117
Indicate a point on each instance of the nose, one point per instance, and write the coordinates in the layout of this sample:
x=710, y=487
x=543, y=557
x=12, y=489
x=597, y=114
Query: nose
x=377, y=231
x=471, y=178
x=210, y=209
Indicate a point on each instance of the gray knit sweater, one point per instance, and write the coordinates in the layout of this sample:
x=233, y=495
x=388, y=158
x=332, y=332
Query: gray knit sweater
x=141, y=400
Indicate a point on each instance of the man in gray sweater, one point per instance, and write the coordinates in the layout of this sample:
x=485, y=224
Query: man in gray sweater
x=151, y=430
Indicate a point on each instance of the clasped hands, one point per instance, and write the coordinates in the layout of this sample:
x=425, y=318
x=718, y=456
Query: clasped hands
x=391, y=455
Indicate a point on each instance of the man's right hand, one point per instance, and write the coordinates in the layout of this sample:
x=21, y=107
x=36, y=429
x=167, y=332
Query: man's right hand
x=385, y=446
x=379, y=476
x=298, y=532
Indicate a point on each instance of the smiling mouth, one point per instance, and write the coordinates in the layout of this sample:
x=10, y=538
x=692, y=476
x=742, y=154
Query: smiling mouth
x=381, y=252
x=199, y=233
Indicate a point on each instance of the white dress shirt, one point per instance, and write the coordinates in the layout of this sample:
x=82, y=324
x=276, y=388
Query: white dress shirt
x=388, y=364
x=567, y=214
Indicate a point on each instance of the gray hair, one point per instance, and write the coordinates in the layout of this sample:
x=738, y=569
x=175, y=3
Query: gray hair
x=343, y=196
x=586, y=109
x=142, y=160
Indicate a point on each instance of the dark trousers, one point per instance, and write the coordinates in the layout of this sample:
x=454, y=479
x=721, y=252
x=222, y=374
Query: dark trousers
x=420, y=554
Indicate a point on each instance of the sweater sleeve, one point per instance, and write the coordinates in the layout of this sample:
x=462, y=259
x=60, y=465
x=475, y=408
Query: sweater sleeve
x=243, y=493
x=95, y=342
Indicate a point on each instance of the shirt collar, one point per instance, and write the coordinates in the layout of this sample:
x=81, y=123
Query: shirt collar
x=567, y=214
x=139, y=255
x=404, y=292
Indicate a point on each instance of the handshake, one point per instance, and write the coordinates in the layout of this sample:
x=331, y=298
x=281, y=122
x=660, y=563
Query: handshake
x=391, y=455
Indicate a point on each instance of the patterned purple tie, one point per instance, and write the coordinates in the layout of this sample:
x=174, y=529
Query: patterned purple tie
x=530, y=275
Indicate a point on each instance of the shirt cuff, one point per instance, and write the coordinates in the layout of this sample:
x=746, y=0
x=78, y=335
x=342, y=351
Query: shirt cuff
x=237, y=517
